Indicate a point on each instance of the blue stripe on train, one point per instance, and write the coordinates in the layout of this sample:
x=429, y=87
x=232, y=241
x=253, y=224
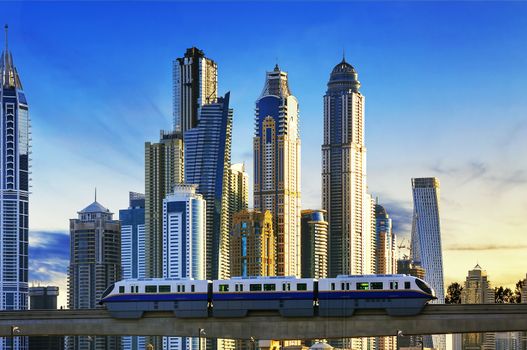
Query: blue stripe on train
x=157, y=297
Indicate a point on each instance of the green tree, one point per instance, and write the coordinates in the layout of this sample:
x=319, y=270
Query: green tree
x=503, y=295
x=453, y=294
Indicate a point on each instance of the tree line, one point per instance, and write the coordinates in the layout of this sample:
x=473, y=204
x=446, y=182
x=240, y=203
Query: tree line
x=501, y=295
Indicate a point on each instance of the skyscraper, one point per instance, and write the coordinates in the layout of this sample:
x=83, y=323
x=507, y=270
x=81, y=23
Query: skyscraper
x=133, y=251
x=239, y=188
x=44, y=298
x=426, y=241
x=277, y=167
x=386, y=244
x=133, y=237
x=314, y=240
x=344, y=171
x=385, y=260
x=95, y=263
x=252, y=244
x=207, y=165
x=14, y=196
x=184, y=251
x=195, y=83
x=477, y=290
x=163, y=170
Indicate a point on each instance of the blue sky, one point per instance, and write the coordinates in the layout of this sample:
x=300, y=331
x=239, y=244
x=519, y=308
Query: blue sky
x=444, y=85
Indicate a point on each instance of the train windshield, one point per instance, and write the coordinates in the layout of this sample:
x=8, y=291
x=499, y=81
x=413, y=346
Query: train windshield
x=107, y=291
x=424, y=287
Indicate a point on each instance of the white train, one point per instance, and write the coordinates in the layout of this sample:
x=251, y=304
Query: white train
x=399, y=295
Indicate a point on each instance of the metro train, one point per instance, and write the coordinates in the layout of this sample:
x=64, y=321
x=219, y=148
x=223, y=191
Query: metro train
x=399, y=295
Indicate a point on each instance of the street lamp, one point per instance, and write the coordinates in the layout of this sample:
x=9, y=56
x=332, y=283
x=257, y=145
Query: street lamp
x=201, y=332
x=399, y=335
x=14, y=330
x=253, y=342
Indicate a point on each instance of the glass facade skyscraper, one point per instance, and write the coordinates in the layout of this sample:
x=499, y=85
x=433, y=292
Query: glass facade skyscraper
x=133, y=251
x=14, y=196
x=426, y=242
x=277, y=168
x=207, y=165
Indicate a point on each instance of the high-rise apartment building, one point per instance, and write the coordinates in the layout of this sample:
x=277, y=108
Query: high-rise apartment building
x=239, y=189
x=163, y=170
x=184, y=251
x=426, y=241
x=207, y=165
x=195, y=83
x=133, y=237
x=14, y=196
x=44, y=298
x=369, y=238
x=95, y=263
x=133, y=251
x=277, y=167
x=252, y=244
x=385, y=260
x=477, y=290
x=344, y=171
x=386, y=243
x=314, y=240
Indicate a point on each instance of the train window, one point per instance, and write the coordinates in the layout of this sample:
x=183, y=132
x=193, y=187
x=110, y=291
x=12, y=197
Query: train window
x=347, y=286
x=286, y=286
x=179, y=288
x=151, y=289
x=394, y=285
x=255, y=287
x=363, y=286
x=332, y=286
x=269, y=287
x=241, y=287
x=192, y=288
x=376, y=285
x=183, y=288
x=406, y=285
x=137, y=289
x=342, y=286
x=164, y=289
x=301, y=286
x=121, y=289
x=224, y=287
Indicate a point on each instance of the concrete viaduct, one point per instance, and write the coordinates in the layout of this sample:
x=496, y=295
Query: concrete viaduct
x=435, y=319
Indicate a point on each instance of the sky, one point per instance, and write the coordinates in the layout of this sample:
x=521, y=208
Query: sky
x=444, y=84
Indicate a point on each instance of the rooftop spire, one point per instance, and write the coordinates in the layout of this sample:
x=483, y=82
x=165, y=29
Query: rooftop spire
x=95, y=193
x=5, y=29
x=8, y=73
x=343, y=55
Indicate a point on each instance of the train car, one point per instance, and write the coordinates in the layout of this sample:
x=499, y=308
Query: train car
x=399, y=295
x=132, y=297
x=238, y=296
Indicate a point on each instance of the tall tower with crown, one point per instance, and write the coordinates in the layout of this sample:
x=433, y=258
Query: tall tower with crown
x=277, y=168
x=14, y=196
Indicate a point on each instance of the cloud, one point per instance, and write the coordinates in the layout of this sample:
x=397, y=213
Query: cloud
x=48, y=256
x=477, y=170
x=486, y=247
